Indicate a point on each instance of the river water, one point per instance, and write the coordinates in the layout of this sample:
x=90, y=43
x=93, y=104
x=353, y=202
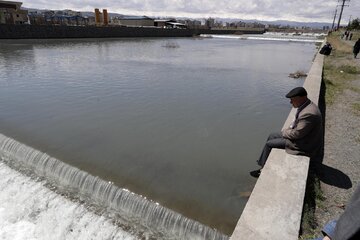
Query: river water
x=178, y=121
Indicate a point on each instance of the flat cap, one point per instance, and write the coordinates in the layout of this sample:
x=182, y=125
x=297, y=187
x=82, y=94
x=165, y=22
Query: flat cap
x=298, y=91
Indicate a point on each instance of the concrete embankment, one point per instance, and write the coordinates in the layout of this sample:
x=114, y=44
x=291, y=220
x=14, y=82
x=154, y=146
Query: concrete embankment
x=52, y=31
x=275, y=206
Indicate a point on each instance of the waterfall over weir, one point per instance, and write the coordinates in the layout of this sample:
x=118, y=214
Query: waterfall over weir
x=136, y=214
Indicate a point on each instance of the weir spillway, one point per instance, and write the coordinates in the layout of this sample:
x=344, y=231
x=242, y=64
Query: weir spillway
x=143, y=218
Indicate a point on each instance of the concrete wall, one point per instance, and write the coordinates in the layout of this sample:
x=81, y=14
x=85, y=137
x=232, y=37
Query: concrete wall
x=9, y=31
x=226, y=31
x=275, y=206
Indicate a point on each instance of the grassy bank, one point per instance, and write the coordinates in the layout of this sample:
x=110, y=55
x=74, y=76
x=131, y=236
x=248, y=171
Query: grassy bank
x=339, y=72
x=313, y=197
x=339, y=68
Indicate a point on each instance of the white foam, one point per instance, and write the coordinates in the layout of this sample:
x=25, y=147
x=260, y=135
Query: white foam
x=291, y=38
x=29, y=210
x=136, y=213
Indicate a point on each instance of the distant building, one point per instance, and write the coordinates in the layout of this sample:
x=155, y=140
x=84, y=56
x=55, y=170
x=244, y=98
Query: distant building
x=89, y=20
x=254, y=25
x=101, y=18
x=66, y=17
x=105, y=17
x=36, y=18
x=11, y=13
x=193, y=24
x=133, y=21
x=70, y=13
x=176, y=25
x=98, y=17
x=162, y=22
x=210, y=22
x=168, y=23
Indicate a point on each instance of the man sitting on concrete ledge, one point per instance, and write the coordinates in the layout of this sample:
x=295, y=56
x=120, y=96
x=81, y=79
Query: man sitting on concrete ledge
x=305, y=134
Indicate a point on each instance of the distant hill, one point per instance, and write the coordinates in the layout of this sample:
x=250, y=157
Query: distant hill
x=298, y=24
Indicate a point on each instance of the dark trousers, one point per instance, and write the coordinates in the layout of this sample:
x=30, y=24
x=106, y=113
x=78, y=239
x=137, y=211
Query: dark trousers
x=275, y=140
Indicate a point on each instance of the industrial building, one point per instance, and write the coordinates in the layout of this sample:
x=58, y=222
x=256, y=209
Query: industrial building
x=11, y=13
x=134, y=21
x=101, y=18
x=168, y=23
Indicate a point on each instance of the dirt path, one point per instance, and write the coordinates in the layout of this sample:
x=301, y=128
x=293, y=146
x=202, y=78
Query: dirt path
x=342, y=145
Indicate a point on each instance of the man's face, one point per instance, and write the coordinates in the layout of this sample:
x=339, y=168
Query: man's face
x=296, y=101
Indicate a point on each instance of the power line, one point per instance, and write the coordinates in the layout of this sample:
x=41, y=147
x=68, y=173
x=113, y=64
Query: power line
x=341, y=11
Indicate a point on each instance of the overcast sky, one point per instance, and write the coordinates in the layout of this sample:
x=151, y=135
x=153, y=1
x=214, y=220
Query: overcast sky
x=294, y=10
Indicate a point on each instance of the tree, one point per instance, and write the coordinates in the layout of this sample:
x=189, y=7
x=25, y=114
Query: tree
x=354, y=24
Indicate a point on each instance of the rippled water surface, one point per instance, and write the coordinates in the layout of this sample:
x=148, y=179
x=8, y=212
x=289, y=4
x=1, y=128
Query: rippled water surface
x=180, y=121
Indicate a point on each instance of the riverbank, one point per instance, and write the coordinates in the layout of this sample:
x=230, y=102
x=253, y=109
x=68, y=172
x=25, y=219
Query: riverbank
x=8, y=31
x=340, y=173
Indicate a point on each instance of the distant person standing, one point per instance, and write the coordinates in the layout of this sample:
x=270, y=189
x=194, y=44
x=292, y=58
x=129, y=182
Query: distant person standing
x=305, y=134
x=356, y=49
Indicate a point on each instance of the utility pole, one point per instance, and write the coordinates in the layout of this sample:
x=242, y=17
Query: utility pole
x=342, y=8
x=350, y=20
x=334, y=19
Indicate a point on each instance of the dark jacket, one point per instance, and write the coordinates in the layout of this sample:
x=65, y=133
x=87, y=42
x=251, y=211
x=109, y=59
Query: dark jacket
x=356, y=49
x=348, y=225
x=326, y=49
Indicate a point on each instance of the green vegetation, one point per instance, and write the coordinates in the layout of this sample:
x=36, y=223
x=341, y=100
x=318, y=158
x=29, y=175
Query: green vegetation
x=356, y=108
x=355, y=89
x=339, y=69
x=313, y=198
x=354, y=24
x=349, y=69
x=337, y=78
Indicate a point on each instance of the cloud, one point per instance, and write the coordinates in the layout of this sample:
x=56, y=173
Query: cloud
x=300, y=10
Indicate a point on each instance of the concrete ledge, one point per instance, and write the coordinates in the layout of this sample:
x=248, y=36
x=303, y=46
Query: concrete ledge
x=275, y=206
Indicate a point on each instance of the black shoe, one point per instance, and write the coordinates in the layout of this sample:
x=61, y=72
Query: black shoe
x=255, y=173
